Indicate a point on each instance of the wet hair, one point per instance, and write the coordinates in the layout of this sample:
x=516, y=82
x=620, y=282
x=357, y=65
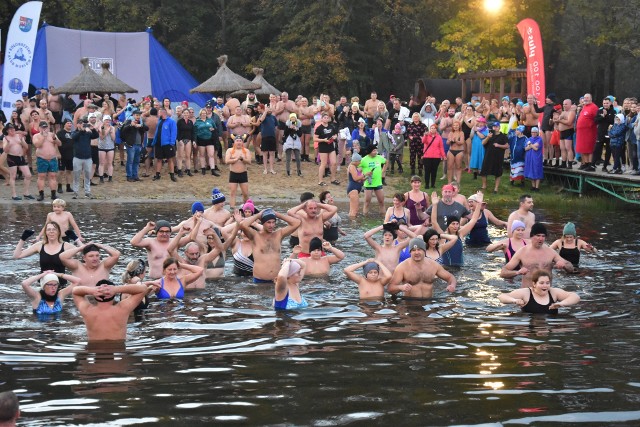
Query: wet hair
x=323, y=196
x=537, y=274
x=170, y=260
x=9, y=406
x=399, y=196
x=57, y=227
x=90, y=248
x=306, y=196
x=524, y=197
x=134, y=268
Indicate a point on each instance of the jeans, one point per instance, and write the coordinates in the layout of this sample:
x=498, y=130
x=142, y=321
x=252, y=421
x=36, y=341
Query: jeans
x=633, y=154
x=82, y=166
x=617, y=153
x=133, y=160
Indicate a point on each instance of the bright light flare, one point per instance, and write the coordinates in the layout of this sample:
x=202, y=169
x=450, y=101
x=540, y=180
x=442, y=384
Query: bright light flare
x=493, y=6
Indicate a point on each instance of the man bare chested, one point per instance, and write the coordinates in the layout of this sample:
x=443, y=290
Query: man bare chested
x=93, y=268
x=284, y=108
x=16, y=147
x=266, y=244
x=529, y=117
x=217, y=214
x=55, y=105
x=196, y=254
x=536, y=256
x=239, y=123
x=566, y=123
x=45, y=112
x=106, y=321
x=46, y=144
x=388, y=253
x=197, y=221
x=81, y=112
x=157, y=248
x=414, y=276
x=312, y=215
x=523, y=214
x=370, y=107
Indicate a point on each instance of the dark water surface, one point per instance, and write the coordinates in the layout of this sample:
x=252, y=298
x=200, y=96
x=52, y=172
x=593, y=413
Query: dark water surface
x=223, y=356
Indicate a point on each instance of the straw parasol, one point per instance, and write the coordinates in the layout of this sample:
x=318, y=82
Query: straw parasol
x=85, y=82
x=117, y=85
x=224, y=81
x=266, y=88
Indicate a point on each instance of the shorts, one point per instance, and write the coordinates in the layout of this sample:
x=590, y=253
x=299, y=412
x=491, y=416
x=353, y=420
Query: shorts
x=165, y=151
x=204, y=142
x=566, y=134
x=325, y=148
x=257, y=280
x=45, y=166
x=95, y=157
x=306, y=129
x=379, y=187
x=282, y=125
x=57, y=116
x=15, y=161
x=65, y=163
x=238, y=177
x=268, y=143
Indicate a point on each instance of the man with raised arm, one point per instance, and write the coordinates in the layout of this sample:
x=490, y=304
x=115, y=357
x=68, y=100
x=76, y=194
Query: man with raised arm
x=157, y=248
x=312, y=216
x=92, y=268
x=267, y=243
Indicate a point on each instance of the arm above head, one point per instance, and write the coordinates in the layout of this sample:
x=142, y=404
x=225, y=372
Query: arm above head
x=350, y=271
x=66, y=257
x=245, y=225
x=292, y=223
x=466, y=229
x=194, y=272
x=26, y=284
x=113, y=257
x=138, y=240
x=328, y=211
x=368, y=236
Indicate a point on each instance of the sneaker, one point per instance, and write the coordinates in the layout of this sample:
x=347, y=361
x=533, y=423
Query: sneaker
x=16, y=198
x=443, y=177
x=75, y=196
x=265, y=172
x=618, y=171
x=189, y=172
x=110, y=179
x=29, y=197
x=300, y=173
x=93, y=184
x=40, y=196
x=590, y=168
x=273, y=172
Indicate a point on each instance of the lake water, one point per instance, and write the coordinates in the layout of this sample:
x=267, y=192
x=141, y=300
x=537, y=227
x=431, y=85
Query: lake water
x=224, y=357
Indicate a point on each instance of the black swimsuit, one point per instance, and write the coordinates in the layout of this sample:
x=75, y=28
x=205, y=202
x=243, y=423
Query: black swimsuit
x=533, y=306
x=52, y=262
x=570, y=254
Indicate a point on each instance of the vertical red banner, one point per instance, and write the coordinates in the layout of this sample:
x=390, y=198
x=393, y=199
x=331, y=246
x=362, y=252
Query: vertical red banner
x=532, y=42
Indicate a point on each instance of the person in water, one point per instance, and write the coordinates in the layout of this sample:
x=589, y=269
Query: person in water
x=323, y=255
x=49, y=298
x=374, y=278
x=287, y=289
x=569, y=246
x=170, y=285
x=511, y=244
x=106, y=320
x=540, y=297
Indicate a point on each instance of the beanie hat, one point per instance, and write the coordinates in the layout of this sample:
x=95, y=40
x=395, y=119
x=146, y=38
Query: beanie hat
x=48, y=278
x=197, y=207
x=355, y=157
x=161, y=224
x=417, y=243
x=249, y=206
x=267, y=215
x=569, y=229
x=370, y=266
x=517, y=224
x=538, y=228
x=217, y=196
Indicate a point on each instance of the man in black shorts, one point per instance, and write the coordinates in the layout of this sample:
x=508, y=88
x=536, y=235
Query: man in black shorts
x=164, y=142
x=65, y=163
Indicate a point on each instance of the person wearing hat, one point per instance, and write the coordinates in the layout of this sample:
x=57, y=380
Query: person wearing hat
x=510, y=245
x=479, y=133
x=493, y=162
x=82, y=157
x=569, y=246
x=517, y=142
x=92, y=268
x=157, y=247
x=533, y=166
x=371, y=283
x=292, y=142
x=540, y=297
x=132, y=134
x=388, y=253
x=617, y=134
x=354, y=187
x=479, y=235
x=198, y=223
x=322, y=255
x=267, y=244
x=415, y=276
x=104, y=319
x=106, y=149
x=533, y=257
x=217, y=214
x=287, y=289
x=49, y=298
x=448, y=206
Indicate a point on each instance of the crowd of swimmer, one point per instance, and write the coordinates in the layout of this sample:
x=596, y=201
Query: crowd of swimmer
x=421, y=235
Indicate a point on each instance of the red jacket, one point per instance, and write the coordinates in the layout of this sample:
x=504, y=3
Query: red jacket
x=433, y=148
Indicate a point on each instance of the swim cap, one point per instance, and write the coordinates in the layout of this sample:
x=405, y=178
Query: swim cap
x=517, y=224
x=50, y=277
x=535, y=129
x=520, y=128
x=217, y=196
x=417, y=243
x=538, y=228
x=315, y=244
x=569, y=229
x=451, y=219
x=370, y=266
x=520, y=104
x=294, y=267
x=162, y=224
x=448, y=187
x=267, y=215
x=355, y=157
x=197, y=207
x=249, y=206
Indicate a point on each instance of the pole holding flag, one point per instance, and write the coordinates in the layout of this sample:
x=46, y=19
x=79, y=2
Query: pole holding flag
x=18, y=58
x=532, y=42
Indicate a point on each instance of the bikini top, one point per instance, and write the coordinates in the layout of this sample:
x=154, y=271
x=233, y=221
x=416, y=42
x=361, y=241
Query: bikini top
x=163, y=294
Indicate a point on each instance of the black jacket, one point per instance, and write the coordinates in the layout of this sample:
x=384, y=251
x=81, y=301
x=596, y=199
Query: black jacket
x=128, y=132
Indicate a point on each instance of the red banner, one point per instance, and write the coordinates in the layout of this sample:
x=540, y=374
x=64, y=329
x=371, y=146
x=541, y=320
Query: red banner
x=532, y=42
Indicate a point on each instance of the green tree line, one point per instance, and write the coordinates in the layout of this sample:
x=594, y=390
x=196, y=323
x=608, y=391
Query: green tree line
x=353, y=46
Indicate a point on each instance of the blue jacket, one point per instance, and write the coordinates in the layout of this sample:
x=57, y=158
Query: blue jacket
x=616, y=134
x=169, y=132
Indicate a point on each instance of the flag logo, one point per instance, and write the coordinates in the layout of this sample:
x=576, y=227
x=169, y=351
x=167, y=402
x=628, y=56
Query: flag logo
x=25, y=24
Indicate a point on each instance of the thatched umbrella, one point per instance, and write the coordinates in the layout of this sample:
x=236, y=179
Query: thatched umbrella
x=117, y=85
x=85, y=82
x=266, y=88
x=224, y=81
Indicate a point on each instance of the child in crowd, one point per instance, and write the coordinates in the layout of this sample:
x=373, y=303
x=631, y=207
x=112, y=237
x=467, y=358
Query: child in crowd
x=616, y=141
x=396, y=148
x=533, y=168
x=65, y=221
x=374, y=278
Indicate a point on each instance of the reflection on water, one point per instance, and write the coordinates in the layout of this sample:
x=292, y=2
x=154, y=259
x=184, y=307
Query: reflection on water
x=224, y=356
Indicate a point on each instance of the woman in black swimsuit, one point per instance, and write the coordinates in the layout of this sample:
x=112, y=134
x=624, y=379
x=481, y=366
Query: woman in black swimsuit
x=540, y=297
x=569, y=246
